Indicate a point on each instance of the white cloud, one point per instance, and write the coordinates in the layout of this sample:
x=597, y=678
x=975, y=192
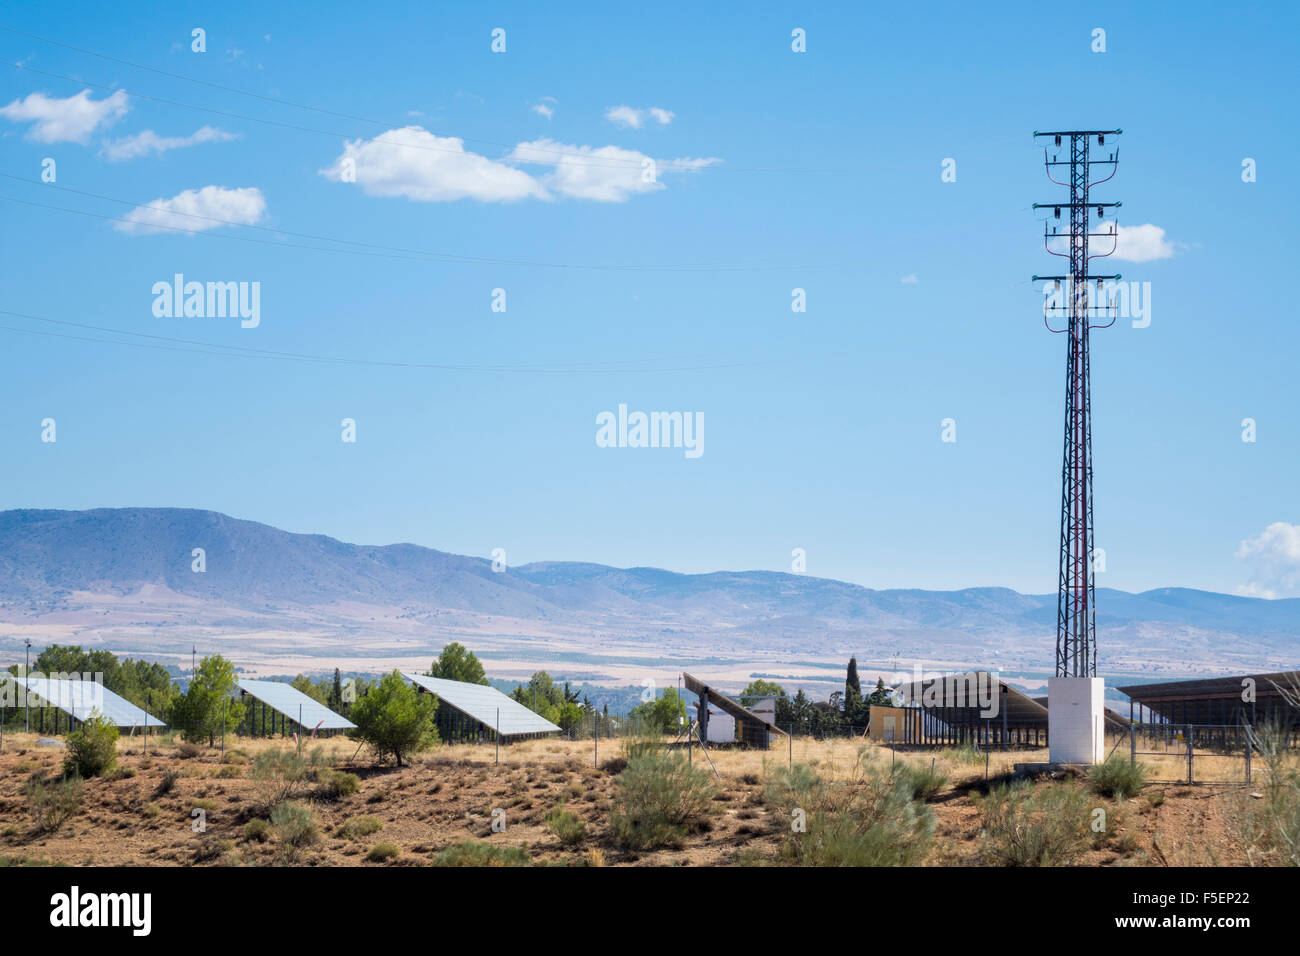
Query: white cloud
x=909, y=279
x=630, y=117
x=1132, y=244
x=70, y=120
x=141, y=144
x=1274, y=559
x=546, y=107
x=416, y=164
x=602, y=174
x=1140, y=244
x=196, y=210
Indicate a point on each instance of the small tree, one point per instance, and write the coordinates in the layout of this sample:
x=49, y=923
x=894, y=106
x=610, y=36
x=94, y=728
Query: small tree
x=457, y=663
x=92, y=748
x=395, y=719
x=198, y=712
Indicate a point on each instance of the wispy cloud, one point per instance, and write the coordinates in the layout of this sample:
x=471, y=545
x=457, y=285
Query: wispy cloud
x=546, y=107
x=603, y=173
x=415, y=164
x=909, y=279
x=142, y=144
x=1274, y=559
x=630, y=117
x=196, y=210
x=70, y=120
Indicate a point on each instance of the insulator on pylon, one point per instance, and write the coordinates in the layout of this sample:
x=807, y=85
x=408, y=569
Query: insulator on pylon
x=1101, y=139
x=1058, y=140
x=1100, y=212
x=1056, y=211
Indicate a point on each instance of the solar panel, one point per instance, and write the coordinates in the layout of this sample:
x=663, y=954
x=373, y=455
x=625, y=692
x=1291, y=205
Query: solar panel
x=82, y=698
x=287, y=700
x=482, y=702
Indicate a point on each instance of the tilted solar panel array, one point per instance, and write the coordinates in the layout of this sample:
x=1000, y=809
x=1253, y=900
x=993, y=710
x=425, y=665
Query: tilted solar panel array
x=295, y=705
x=82, y=698
x=482, y=703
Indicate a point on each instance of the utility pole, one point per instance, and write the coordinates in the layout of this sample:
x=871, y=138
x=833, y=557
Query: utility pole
x=1076, y=615
x=27, y=701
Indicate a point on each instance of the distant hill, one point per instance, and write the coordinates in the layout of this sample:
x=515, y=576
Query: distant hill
x=54, y=562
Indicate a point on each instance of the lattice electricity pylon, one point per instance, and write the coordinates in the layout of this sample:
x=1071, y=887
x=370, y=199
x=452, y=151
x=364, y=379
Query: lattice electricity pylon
x=1076, y=615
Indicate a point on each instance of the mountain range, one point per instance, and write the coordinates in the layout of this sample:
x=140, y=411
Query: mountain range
x=129, y=578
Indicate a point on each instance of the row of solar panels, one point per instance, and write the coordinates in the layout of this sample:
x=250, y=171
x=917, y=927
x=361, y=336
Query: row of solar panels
x=487, y=705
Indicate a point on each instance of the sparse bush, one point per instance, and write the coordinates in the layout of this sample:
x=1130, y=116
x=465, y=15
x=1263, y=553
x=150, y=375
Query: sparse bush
x=230, y=771
x=1028, y=825
x=1118, y=777
x=207, y=806
x=872, y=819
x=614, y=765
x=166, y=783
x=922, y=782
x=358, y=827
x=641, y=745
x=92, y=748
x=566, y=825
x=257, y=830
x=660, y=799
x=186, y=750
x=52, y=804
x=295, y=825
x=337, y=784
x=475, y=853
x=382, y=852
x=278, y=773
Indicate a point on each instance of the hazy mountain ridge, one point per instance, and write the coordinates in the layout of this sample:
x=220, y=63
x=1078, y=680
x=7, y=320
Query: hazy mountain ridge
x=48, y=557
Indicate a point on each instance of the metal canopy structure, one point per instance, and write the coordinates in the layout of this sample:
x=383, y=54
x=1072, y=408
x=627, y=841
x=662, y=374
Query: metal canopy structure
x=482, y=703
x=1253, y=698
x=295, y=705
x=79, y=699
x=974, y=706
x=753, y=729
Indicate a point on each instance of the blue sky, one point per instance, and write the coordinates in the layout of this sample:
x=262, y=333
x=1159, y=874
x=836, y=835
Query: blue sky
x=776, y=170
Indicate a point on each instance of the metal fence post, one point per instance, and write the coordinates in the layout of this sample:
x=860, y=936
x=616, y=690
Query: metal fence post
x=1132, y=744
x=1247, y=759
x=1189, y=755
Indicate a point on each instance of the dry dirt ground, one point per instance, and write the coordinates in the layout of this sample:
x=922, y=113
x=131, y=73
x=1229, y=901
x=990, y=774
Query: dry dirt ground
x=448, y=796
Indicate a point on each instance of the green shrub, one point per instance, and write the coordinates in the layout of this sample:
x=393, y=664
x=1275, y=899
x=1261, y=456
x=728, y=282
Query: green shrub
x=278, y=773
x=395, y=719
x=295, y=824
x=337, y=784
x=358, y=827
x=475, y=853
x=641, y=745
x=257, y=830
x=1118, y=777
x=207, y=806
x=871, y=819
x=1028, y=825
x=566, y=825
x=52, y=804
x=921, y=782
x=92, y=748
x=660, y=799
x=382, y=852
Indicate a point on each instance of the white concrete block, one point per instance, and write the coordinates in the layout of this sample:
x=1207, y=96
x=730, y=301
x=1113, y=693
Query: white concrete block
x=1076, y=719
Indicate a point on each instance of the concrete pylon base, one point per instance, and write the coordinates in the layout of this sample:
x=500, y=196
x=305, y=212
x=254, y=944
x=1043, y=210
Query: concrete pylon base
x=1076, y=720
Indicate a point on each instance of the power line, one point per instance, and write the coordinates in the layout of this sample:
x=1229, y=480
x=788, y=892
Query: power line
x=409, y=254
x=237, y=351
